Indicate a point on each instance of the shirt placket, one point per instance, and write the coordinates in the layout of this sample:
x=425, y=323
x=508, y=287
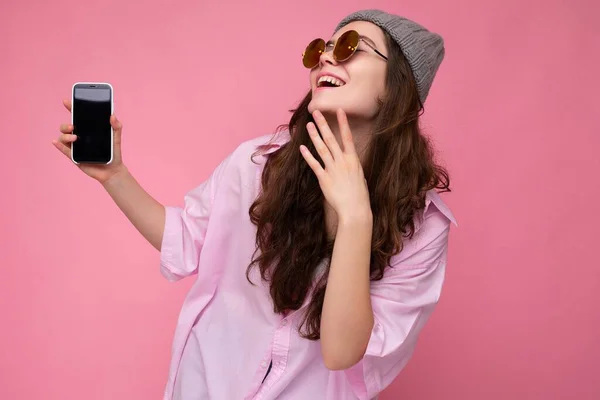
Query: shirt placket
x=278, y=355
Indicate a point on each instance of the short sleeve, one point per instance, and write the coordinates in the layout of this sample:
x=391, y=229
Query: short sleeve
x=185, y=228
x=402, y=302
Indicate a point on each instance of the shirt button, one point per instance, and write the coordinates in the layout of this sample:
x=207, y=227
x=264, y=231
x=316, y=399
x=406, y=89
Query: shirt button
x=284, y=322
x=263, y=364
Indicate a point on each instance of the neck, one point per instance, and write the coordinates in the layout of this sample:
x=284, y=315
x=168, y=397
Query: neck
x=361, y=132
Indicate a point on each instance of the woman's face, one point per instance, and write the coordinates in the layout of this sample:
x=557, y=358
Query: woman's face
x=361, y=78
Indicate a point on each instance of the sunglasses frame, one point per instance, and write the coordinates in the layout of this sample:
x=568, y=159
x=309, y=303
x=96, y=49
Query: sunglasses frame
x=322, y=48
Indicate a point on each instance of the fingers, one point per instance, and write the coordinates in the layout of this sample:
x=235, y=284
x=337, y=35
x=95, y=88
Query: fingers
x=321, y=147
x=312, y=162
x=66, y=128
x=328, y=136
x=67, y=138
x=346, y=134
x=63, y=143
x=66, y=150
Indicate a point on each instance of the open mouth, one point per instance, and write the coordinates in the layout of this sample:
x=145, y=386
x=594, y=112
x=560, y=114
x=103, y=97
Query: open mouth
x=329, y=81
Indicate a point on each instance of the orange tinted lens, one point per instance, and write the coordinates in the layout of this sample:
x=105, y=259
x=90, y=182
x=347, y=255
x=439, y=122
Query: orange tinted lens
x=346, y=46
x=312, y=54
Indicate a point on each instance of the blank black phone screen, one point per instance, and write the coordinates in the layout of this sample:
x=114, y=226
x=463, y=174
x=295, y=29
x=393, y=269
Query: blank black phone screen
x=91, y=120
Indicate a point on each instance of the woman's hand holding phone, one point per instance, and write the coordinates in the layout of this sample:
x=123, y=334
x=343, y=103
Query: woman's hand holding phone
x=101, y=173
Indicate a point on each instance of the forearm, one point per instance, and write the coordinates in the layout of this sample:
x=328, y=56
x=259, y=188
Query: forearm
x=144, y=212
x=347, y=316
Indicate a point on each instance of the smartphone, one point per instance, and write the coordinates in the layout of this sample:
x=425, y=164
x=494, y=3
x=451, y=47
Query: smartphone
x=91, y=108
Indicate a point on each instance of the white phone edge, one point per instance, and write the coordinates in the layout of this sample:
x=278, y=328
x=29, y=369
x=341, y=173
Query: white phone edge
x=112, y=134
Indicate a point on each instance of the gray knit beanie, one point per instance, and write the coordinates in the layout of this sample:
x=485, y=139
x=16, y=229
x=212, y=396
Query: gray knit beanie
x=423, y=49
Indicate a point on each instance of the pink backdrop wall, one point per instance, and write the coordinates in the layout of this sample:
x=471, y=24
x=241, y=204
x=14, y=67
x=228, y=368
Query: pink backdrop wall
x=85, y=313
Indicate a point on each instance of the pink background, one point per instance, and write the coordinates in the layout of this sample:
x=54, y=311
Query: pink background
x=85, y=313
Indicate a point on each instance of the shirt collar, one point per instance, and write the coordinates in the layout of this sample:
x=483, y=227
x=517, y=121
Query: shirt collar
x=434, y=198
x=275, y=143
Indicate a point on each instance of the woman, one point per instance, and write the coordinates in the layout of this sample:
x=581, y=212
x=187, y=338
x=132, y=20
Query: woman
x=320, y=252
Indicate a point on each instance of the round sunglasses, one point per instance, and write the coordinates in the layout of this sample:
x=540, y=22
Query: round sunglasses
x=344, y=48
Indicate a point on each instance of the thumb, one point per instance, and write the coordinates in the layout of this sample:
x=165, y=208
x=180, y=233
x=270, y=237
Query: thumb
x=117, y=126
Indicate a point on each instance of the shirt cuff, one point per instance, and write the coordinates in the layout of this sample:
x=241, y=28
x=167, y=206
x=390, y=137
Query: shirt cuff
x=170, y=250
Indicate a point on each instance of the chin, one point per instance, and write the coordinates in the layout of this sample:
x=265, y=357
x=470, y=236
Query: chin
x=325, y=106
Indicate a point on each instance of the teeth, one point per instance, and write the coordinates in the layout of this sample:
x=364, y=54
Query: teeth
x=331, y=80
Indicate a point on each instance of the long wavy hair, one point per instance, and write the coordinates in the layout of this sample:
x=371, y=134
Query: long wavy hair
x=292, y=244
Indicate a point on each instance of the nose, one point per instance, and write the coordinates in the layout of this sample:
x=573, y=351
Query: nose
x=327, y=58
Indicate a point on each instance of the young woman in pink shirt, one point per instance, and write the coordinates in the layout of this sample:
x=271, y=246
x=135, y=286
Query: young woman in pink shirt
x=320, y=251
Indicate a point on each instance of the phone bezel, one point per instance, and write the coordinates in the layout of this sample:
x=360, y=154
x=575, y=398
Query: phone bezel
x=93, y=85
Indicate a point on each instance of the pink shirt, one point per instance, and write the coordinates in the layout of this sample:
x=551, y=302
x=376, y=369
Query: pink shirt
x=228, y=334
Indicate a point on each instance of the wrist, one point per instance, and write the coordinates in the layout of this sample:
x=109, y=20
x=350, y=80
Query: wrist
x=357, y=216
x=117, y=176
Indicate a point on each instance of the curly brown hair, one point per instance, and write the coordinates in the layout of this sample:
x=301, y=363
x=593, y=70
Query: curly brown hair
x=399, y=166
